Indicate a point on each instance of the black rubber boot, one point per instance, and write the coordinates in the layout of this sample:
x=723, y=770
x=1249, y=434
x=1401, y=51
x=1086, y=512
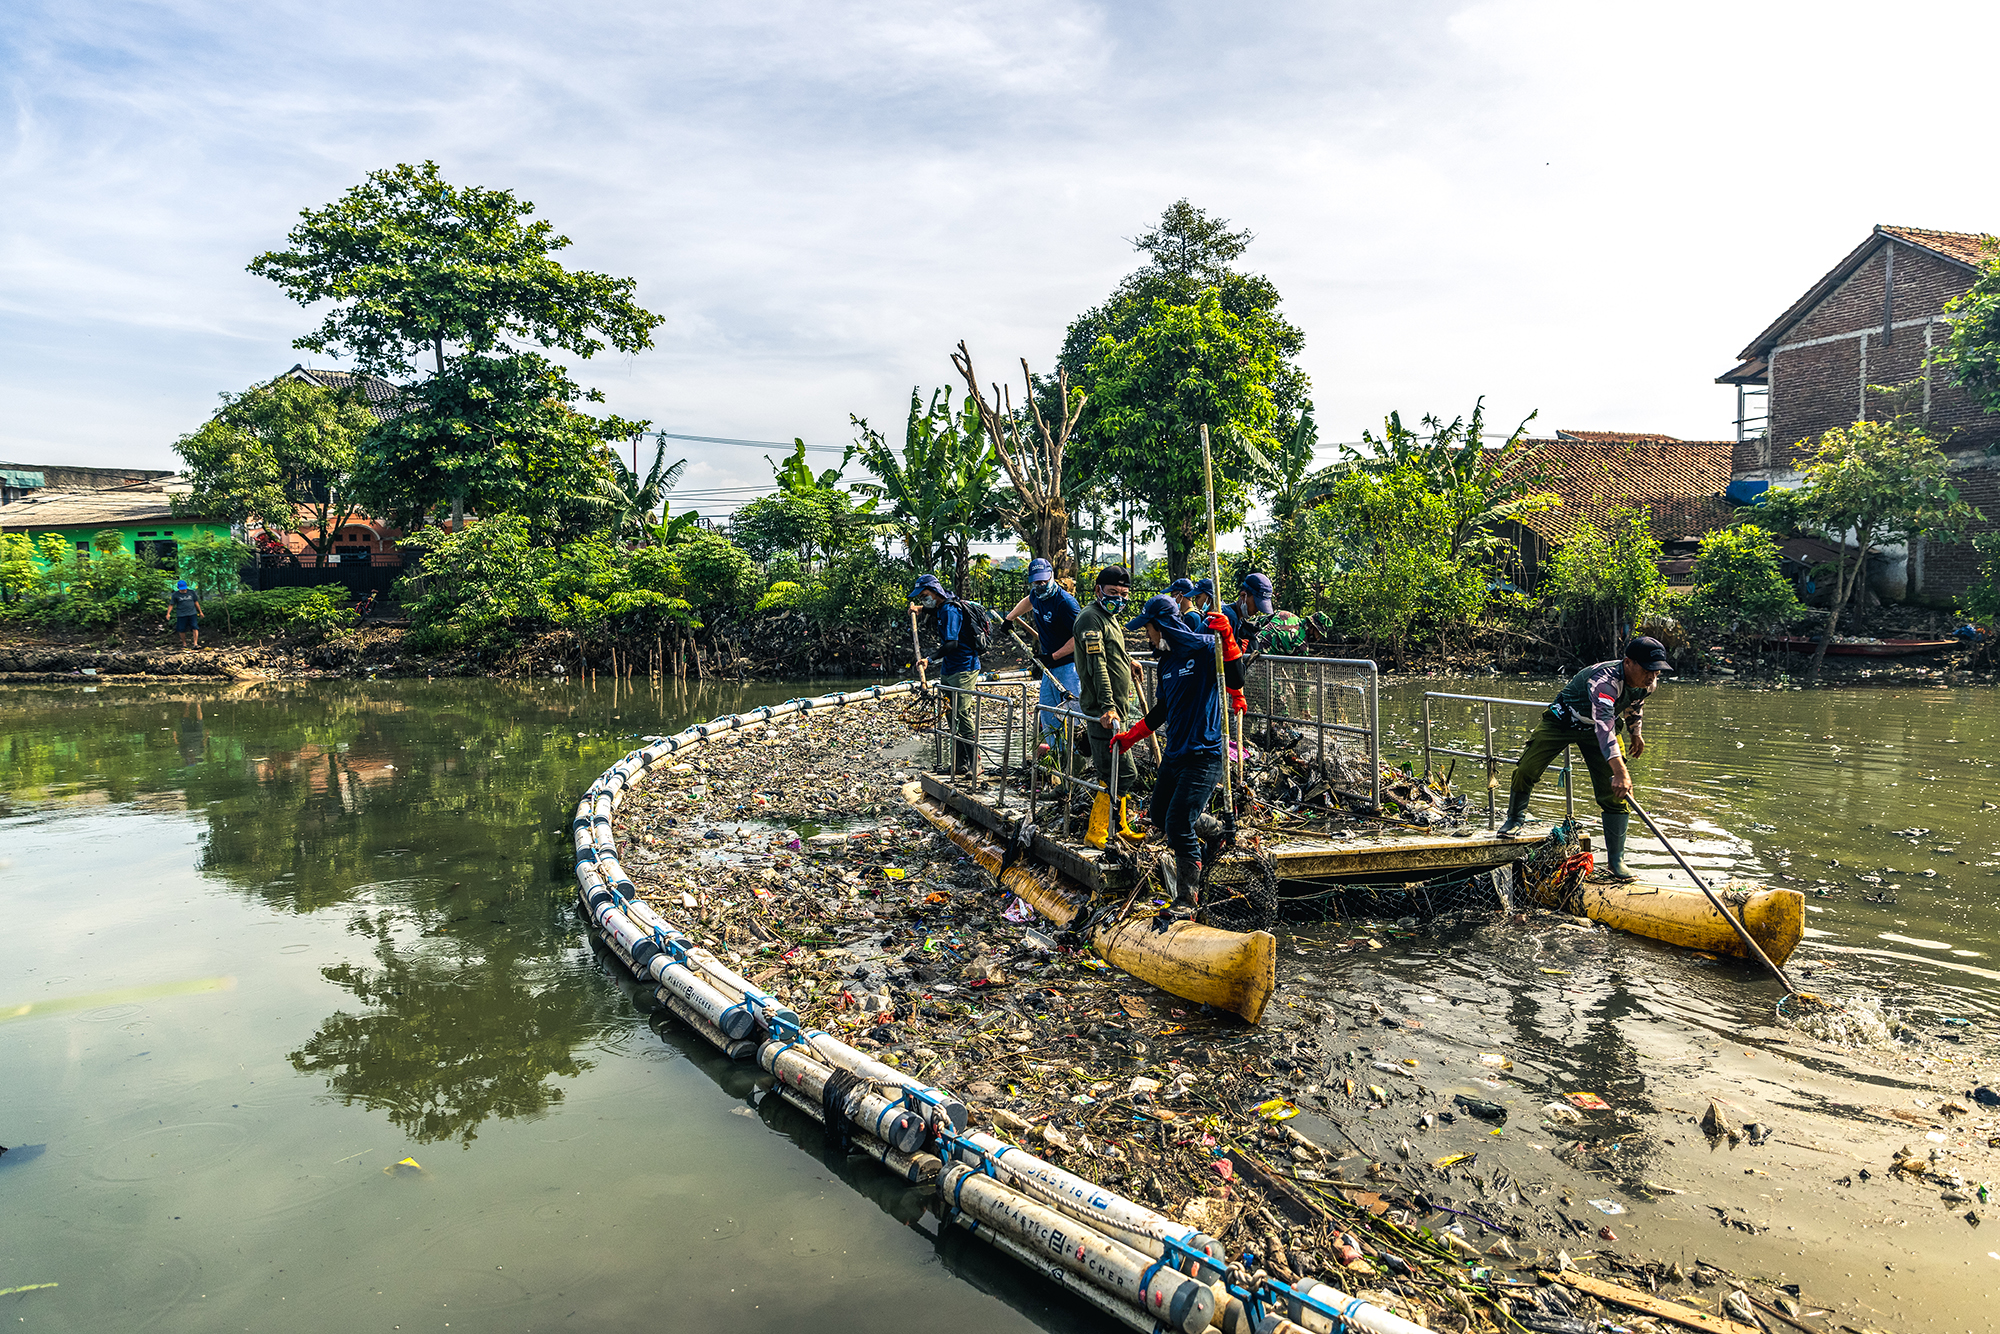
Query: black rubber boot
x=962, y=758
x=1187, y=880
x=1517, y=820
x=1616, y=823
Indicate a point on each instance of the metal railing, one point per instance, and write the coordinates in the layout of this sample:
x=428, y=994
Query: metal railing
x=1329, y=698
x=1488, y=756
x=1283, y=680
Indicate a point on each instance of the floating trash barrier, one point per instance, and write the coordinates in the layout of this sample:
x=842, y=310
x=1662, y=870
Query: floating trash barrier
x=1130, y=1261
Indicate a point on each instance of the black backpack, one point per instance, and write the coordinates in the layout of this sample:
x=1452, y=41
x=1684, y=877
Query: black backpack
x=975, y=627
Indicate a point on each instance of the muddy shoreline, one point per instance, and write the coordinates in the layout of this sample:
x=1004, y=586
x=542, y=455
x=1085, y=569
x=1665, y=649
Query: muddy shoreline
x=792, y=855
x=378, y=651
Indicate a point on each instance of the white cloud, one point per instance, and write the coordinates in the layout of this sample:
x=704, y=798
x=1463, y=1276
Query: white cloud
x=1574, y=207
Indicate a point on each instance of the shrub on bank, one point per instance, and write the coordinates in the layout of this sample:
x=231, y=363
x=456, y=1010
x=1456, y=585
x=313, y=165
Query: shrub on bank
x=302, y=612
x=1737, y=582
x=51, y=585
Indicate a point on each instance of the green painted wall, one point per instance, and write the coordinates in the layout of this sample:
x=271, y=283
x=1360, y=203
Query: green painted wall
x=130, y=535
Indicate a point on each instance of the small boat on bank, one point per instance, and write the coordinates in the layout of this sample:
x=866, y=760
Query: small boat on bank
x=1682, y=915
x=1863, y=648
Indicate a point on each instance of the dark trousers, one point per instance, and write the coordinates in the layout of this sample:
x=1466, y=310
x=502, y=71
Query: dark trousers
x=1100, y=760
x=1180, y=793
x=1545, y=745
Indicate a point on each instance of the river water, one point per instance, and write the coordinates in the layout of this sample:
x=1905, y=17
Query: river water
x=267, y=943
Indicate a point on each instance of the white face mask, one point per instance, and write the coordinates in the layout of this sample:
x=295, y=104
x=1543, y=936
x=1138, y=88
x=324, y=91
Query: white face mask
x=930, y=602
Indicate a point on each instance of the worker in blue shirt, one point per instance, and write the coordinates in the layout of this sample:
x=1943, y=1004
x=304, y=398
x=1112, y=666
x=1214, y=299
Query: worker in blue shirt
x=957, y=659
x=1188, y=710
x=1053, y=612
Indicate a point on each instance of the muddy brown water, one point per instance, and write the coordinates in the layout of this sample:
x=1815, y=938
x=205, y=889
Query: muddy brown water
x=272, y=940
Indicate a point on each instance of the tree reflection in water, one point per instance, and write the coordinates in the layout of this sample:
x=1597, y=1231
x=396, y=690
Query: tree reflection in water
x=442, y=1043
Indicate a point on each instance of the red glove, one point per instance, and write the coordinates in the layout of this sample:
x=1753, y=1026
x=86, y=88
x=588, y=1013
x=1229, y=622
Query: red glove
x=1218, y=624
x=1237, y=704
x=1131, y=736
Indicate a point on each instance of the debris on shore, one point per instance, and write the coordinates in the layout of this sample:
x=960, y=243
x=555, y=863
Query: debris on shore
x=1317, y=1142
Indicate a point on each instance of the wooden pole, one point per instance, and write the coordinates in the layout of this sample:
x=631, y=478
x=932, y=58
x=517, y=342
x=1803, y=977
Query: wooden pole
x=1215, y=577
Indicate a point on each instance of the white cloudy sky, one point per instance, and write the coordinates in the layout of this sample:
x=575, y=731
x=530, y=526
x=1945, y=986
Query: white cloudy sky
x=1581, y=208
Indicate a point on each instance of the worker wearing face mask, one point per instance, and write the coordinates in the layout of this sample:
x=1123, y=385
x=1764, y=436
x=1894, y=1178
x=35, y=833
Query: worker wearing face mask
x=1189, y=710
x=957, y=658
x=1053, y=612
x=1107, y=678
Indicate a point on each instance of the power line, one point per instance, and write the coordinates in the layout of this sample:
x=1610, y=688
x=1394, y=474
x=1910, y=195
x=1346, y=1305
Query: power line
x=786, y=445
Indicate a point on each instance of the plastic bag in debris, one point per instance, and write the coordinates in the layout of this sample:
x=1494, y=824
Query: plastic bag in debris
x=1018, y=911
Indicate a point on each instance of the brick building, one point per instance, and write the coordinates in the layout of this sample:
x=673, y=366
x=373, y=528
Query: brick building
x=1872, y=320
x=1678, y=483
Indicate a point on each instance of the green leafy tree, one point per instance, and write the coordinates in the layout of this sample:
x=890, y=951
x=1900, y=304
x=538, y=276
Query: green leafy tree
x=1870, y=483
x=1606, y=580
x=1186, y=367
x=633, y=499
x=1971, y=350
x=501, y=435
x=810, y=516
x=1376, y=557
x=942, y=489
x=417, y=267
x=1289, y=486
x=1981, y=601
x=1737, y=581
x=1190, y=252
x=1489, y=485
x=281, y=455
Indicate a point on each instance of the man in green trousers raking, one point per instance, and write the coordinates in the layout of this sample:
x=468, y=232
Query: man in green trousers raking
x=1588, y=714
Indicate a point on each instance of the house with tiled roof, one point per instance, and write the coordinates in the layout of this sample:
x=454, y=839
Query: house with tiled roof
x=1677, y=483
x=382, y=396
x=139, y=513
x=1870, y=324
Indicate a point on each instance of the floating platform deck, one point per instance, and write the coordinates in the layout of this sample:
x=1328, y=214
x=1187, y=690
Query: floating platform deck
x=1390, y=855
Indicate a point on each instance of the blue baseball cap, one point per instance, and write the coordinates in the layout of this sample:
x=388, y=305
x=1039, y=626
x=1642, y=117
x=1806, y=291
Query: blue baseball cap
x=1159, y=610
x=1040, y=569
x=1260, y=592
x=928, y=584
x=1179, y=588
x=1205, y=588
x=180, y=584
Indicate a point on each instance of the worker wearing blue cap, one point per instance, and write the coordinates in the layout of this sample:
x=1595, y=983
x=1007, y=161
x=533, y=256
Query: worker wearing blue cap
x=1053, y=611
x=957, y=656
x=1189, y=711
x=185, y=607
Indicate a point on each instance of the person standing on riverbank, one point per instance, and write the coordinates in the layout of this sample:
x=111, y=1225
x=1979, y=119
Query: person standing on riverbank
x=1107, y=678
x=1189, y=709
x=1053, y=611
x=184, y=604
x=1587, y=714
x=957, y=658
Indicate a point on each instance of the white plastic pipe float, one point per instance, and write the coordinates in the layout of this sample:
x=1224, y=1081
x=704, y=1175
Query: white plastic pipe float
x=917, y=1168
x=1353, y=1314
x=1128, y=1316
x=1170, y=1297
x=890, y=1122
x=1135, y=1225
x=734, y=1048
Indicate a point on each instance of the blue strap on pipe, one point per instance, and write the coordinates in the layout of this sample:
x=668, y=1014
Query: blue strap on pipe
x=1146, y=1279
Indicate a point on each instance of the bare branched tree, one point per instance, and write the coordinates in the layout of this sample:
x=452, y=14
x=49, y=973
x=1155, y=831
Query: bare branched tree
x=1033, y=458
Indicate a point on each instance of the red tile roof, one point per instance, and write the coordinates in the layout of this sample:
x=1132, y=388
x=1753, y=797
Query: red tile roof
x=1677, y=481
x=1609, y=437
x=1965, y=247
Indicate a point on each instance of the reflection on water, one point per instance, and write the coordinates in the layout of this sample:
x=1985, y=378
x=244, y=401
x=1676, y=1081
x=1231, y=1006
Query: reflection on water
x=275, y=937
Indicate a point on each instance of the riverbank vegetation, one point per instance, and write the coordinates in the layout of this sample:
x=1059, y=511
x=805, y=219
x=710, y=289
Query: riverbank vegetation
x=532, y=541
